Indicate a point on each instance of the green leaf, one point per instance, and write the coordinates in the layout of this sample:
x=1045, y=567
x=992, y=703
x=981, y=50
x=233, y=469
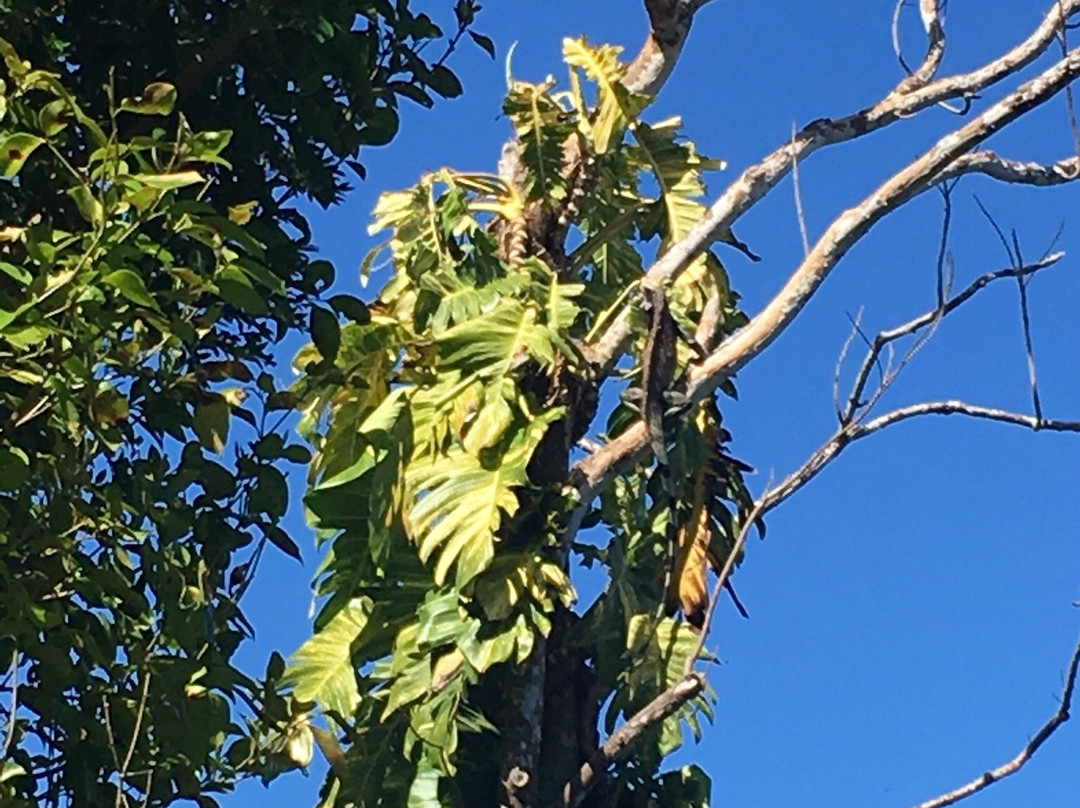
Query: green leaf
x=54, y=116
x=271, y=494
x=212, y=423
x=14, y=149
x=443, y=81
x=11, y=769
x=281, y=540
x=16, y=272
x=424, y=791
x=168, y=182
x=88, y=204
x=460, y=502
x=325, y=333
x=491, y=344
x=351, y=307
x=14, y=468
x=157, y=99
x=382, y=125
x=131, y=286
x=485, y=43
x=617, y=107
x=236, y=288
x=321, y=670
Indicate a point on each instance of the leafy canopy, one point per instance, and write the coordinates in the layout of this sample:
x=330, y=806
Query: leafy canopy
x=149, y=265
x=435, y=427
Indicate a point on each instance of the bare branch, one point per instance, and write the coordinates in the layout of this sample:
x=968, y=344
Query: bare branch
x=854, y=431
x=1013, y=766
x=935, y=52
x=139, y=714
x=594, y=771
x=1025, y=322
x=669, y=23
x=854, y=223
x=722, y=578
x=798, y=200
x=847, y=229
x=9, y=734
x=1014, y=171
x=756, y=181
x=1070, y=102
x=954, y=407
x=856, y=330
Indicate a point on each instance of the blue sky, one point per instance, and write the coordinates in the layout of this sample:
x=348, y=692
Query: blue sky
x=911, y=609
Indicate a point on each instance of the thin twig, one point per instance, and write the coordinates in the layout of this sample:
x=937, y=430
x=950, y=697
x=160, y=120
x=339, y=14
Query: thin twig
x=13, y=672
x=121, y=798
x=798, y=197
x=856, y=329
x=1070, y=104
x=1013, y=766
x=721, y=579
x=1025, y=321
x=138, y=725
x=945, y=189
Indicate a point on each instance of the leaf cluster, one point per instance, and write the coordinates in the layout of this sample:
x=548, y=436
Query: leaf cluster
x=434, y=424
x=140, y=471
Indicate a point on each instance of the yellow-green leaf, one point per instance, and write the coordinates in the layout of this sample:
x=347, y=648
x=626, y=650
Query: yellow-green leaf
x=14, y=149
x=167, y=182
x=321, y=670
x=131, y=286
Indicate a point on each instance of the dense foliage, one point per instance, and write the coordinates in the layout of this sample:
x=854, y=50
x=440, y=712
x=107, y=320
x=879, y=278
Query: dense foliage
x=445, y=428
x=149, y=263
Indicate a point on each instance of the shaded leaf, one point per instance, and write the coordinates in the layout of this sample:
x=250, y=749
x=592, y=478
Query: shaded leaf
x=212, y=423
x=156, y=99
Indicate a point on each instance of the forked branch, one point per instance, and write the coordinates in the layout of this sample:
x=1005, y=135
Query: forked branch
x=593, y=472
x=758, y=180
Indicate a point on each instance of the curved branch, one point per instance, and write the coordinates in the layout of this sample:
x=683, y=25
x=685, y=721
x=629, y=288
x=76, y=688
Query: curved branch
x=884, y=338
x=594, y=771
x=669, y=25
x=1013, y=766
x=847, y=229
x=1015, y=171
x=756, y=181
x=854, y=431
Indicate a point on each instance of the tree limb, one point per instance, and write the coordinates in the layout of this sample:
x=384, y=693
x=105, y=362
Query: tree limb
x=756, y=181
x=593, y=472
x=594, y=771
x=1013, y=766
x=669, y=25
x=1001, y=168
x=854, y=431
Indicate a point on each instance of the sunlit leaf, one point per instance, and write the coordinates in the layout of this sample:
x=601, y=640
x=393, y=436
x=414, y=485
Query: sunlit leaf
x=321, y=670
x=14, y=150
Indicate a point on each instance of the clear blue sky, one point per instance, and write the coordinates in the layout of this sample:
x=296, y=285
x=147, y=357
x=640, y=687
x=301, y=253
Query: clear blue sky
x=911, y=609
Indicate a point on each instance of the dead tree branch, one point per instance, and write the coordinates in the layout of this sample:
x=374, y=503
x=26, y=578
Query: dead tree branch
x=848, y=435
x=1013, y=766
x=664, y=705
x=593, y=472
x=853, y=417
x=756, y=181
